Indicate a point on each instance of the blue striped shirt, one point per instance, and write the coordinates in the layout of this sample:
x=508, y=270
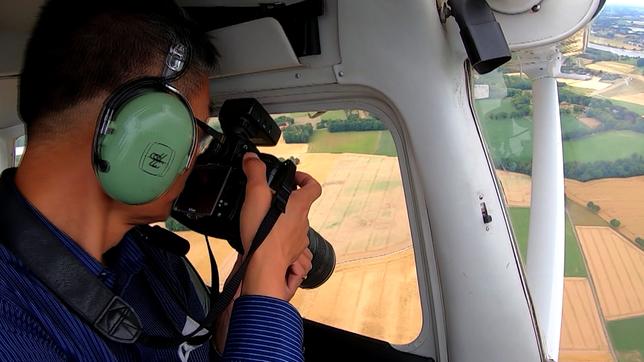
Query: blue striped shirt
x=36, y=326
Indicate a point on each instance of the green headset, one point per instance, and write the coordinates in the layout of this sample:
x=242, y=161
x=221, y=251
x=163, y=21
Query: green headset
x=146, y=135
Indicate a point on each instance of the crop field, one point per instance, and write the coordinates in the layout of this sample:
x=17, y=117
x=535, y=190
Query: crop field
x=512, y=137
x=337, y=114
x=634, y=107
x=594, y=83
x=377, y=297
x=626, y=335
x=637, y=98
x=582, y=216
x=573, y=260
x=362, y=210
x=627, y=90
x=366, y=142
x=617, y=268
x=516, y=187
x=582, y=332
x=286, y=150
x=604, y=146
x=612, y=67
x=616, y=42
x=621, y=198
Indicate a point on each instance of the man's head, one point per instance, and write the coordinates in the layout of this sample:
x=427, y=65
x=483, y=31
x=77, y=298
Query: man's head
x=82, y=51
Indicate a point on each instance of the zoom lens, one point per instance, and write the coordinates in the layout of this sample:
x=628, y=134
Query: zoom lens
x=323, y=261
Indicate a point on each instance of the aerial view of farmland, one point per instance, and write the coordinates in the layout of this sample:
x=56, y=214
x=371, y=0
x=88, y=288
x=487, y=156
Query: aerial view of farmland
x=601, y=93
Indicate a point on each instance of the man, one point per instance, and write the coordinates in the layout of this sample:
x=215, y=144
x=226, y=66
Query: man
x=80, y=55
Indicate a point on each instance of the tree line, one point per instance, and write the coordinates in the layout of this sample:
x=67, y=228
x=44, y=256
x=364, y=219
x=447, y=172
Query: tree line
x=298, y=133
x=352, y=124
x=583, y=171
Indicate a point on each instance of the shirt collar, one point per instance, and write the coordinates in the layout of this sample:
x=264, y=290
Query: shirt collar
x=125, y=259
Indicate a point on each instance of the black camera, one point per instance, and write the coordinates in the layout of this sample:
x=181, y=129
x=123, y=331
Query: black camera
x=211, y=201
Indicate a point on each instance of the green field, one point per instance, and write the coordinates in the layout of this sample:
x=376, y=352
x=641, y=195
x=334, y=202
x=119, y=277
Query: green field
x=507, y=138
x=579, y=90
x=512, y=137
x=627, y=339
x=520, y=218
x=569, y=123
x=334, y=115
x=574, y=262
x=367, y=142
x=581, y=216
x=604, y=146
x=634, y=107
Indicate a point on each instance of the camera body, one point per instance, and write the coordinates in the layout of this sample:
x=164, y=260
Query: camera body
x=214, y=193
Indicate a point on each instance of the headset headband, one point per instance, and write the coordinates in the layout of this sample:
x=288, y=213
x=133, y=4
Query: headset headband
x=175, y=62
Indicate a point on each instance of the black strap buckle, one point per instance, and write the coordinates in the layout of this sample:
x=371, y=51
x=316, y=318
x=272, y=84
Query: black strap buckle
x=119, y=322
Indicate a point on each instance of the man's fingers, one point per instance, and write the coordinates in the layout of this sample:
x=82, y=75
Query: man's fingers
x=309, y=189
x=298, y=270
x=254, y=169
x=258, y=197
x=256, y=185
x=308, y=253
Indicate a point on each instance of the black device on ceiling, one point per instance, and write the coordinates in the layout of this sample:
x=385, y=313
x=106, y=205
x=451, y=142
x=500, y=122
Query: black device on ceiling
x=299, y=20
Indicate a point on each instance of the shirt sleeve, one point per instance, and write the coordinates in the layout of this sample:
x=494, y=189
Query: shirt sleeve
x=264, y=329
x=22, y=339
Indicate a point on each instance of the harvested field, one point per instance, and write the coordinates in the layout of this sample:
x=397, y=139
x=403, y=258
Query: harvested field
x=362, y=210
x=621, y=198
x=617, y=269
x=286, y=150
x=612, y=67
x=637, y=98
x=377, y=297
x=516, y=187
x=594, y=83
x=590, y=122
x=628, y=89
x=582, y=333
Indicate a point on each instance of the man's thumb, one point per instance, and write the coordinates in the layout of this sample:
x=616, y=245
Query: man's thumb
x=254, y=169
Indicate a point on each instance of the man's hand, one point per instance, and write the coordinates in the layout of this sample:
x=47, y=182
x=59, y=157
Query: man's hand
x=281, y=263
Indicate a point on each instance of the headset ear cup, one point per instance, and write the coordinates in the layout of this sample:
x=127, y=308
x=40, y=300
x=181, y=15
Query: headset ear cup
x=149, y=143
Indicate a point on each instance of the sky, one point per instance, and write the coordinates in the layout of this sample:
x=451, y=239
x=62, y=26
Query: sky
x=639, y=3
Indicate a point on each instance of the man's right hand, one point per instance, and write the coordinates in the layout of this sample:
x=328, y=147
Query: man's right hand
x=270, y=272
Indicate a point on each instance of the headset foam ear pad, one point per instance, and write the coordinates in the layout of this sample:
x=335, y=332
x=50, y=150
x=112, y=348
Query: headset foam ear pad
x=148, y=146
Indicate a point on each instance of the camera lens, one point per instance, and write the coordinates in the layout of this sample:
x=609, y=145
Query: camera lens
x=323, y=261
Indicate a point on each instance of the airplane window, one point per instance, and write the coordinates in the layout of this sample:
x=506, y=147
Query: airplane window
x=19, y=149
x=362, y=213
x=602, y=119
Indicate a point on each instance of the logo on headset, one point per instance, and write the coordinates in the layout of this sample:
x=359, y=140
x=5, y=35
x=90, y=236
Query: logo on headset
x=156, y=159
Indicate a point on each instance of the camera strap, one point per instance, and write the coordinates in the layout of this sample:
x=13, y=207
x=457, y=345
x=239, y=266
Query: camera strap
x=278, y=207
x=88, y=297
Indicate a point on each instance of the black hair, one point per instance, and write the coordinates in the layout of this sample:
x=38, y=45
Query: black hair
x=81, y=48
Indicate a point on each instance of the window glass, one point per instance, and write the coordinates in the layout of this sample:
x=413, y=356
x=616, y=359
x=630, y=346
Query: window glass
x=601, y=96
x=19, y=149
x=362, y=213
